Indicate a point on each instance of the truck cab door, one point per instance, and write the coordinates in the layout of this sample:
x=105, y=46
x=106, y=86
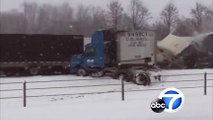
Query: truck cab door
x=90, y=57
x=93, y=56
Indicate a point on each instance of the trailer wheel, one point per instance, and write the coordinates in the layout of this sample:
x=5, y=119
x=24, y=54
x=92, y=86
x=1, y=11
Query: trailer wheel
x=81, y=72
x=34, y=71
x=142, y=79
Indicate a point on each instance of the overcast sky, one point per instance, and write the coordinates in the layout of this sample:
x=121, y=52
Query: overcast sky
x=155, y=6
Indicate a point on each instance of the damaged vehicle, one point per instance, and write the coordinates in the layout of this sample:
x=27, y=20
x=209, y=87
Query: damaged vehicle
x=186, y=52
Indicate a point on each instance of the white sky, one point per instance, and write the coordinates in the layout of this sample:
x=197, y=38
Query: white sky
x=155, y=6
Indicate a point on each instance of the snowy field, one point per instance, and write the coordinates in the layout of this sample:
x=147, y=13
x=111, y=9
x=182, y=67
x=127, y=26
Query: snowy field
x=105, y=106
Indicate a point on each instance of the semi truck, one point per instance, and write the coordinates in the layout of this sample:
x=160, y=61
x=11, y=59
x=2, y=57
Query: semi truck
x=37, y=54
x=126, y=55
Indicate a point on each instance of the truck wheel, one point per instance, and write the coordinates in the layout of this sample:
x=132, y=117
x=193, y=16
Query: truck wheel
x=34, y=71
x=142, y=79
x=81, y=72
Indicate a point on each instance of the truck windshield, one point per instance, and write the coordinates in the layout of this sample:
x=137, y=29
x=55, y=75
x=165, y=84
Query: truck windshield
x=90, y=51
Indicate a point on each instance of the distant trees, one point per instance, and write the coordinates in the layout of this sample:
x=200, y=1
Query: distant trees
x=169, y=16
x=168, y=21
x=49, y=19
x=12, y=22
x=30, y=17
x=64, y=18
x=208, y=19
x=160, y=30
x=98, y=18
x=115, y=14
x=200, y=15
x=84, y=20
x=184, y=27
x=88, y=19
x=200, y=21
x=197, y=16
x=139, y=14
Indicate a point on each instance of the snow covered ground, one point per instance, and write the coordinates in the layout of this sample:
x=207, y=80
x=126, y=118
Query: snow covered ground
x=107, y=106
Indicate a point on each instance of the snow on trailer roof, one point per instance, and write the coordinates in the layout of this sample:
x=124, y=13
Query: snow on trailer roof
x=174, y=44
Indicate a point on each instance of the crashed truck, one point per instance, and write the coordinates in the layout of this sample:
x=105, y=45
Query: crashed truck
x=186, y=52
x=123, y=54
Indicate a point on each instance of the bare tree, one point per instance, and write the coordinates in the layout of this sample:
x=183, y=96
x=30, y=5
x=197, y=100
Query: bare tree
x=115, y=14
x=198, y=13
x=98, y=18
x=82, y=20
x=30, y=12
x=47, y=19
x=184, y=27
x=64, y=19
x=12, y=22
x=126, y=22
x=160, y=30
x=55, y=19
x=139, y=14
x=169, y=15
x=208, y=20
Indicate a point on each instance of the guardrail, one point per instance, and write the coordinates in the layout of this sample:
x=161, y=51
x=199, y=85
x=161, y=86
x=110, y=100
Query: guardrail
x=25, y=89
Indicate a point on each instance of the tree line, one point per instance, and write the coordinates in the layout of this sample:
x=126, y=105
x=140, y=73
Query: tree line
x=84, y=20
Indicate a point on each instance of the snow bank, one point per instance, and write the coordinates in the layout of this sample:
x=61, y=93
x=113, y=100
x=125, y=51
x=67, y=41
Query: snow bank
x=107, y=106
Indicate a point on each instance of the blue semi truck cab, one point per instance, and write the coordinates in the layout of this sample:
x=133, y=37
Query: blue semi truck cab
x=125, y=54
x=93, y=57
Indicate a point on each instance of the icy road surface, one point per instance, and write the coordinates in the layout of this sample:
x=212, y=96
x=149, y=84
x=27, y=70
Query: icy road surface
x=106, y=106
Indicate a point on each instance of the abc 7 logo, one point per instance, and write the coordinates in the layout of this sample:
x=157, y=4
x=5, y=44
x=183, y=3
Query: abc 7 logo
x=170, y=100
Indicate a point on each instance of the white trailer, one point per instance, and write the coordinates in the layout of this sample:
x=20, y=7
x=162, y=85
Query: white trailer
x=136, y=53
x=136, y=47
